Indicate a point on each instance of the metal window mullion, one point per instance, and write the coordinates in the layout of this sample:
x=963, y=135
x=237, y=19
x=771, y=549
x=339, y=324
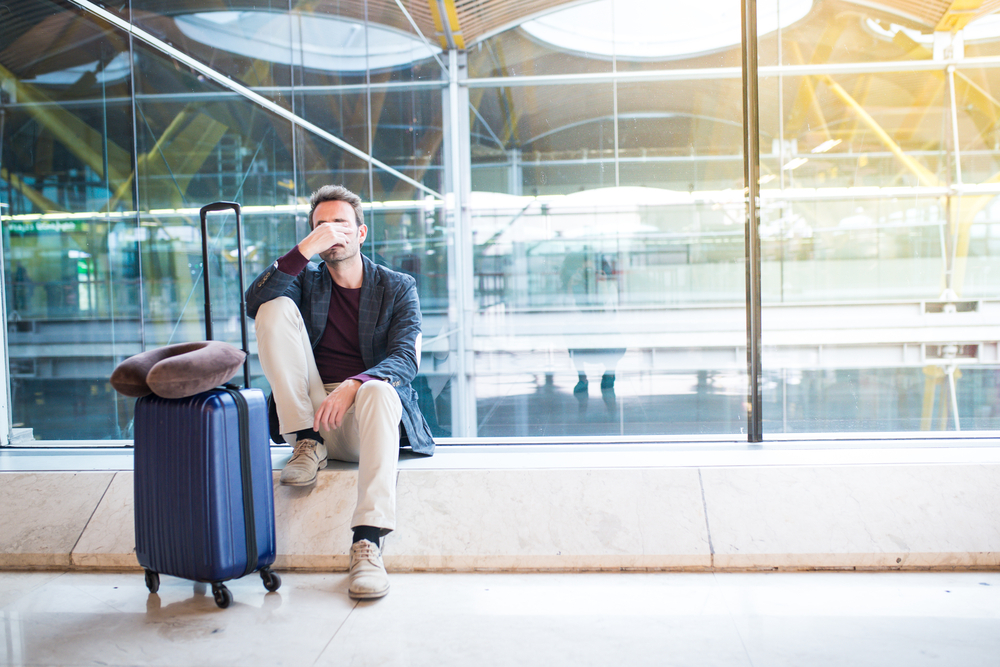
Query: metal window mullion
x=133, y=107
x=461, y=290
x=6, y=397
x=371, y=130
x=293, y=93
x=751, y=172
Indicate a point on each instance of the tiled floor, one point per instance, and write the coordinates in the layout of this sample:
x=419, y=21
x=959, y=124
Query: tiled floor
x=754, y=619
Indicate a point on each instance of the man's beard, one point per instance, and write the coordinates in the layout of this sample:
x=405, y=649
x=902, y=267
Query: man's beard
x=336, y=255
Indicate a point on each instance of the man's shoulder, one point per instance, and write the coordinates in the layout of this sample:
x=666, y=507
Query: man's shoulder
x=389, y=278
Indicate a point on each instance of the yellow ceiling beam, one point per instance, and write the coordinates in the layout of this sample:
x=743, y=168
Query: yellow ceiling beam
x=34, y=196
x=979, y=98
x=862, y=89
x=438, y=23
x=923, y=174
x=446, y=24
x=958, y=15
x=805, y=99
x=83, y=141
x=917, y=113
x=971, y=92
x=187, y=152
x=968, y=209
x=456, y=28
x=175, y=126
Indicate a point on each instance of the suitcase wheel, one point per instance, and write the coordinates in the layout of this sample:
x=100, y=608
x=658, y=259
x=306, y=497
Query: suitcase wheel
x=272, y=581
x=152, y=581
x=222, y=596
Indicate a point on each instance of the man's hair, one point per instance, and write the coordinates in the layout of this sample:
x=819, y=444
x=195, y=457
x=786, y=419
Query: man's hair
x=336, y=193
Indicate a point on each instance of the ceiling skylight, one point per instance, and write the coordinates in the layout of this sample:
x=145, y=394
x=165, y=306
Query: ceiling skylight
x=656, y=29
x=320, y=42
x=982, y=30
x=116, y=70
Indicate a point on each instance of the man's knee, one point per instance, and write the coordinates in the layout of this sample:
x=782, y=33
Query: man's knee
x=378, y=390
x=281, y=311
x=378, y=393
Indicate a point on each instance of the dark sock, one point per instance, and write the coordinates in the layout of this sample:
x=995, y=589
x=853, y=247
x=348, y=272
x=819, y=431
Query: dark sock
x=370, y=533
x=308, y=433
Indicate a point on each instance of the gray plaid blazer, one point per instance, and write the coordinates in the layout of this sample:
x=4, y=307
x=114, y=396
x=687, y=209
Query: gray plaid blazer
x=388, y=324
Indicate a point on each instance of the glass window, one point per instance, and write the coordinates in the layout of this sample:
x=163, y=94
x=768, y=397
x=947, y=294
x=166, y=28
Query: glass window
x=877, y=296
x=577, y=230
x=607, y=230
x=70, y=238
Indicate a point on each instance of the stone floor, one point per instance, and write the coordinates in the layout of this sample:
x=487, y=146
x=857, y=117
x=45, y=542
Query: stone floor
x=729, y=619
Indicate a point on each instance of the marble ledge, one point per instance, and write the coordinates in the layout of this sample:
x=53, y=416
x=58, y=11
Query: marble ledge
x=549, y=563
x=864, y=515
x=108, y=541
x=936, y=561
x=44, y=516
x=678, y=519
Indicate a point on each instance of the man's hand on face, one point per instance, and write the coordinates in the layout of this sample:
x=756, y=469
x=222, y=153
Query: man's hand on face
x=331, y=413
x=324, y=236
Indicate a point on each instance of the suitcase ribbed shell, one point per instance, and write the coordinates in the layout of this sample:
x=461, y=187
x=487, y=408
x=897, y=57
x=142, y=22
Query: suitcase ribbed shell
x=189, y=501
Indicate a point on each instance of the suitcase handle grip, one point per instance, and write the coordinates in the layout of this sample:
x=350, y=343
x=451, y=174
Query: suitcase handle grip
x=220, y=206
x=205, y=210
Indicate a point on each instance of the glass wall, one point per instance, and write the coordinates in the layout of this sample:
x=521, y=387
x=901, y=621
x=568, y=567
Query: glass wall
x=877, y=165
x=607, y=226
x=71, y=246
x=111, y=146
x=565, y=185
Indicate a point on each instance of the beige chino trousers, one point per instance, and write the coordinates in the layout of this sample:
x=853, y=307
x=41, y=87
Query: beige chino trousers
x=369, y=432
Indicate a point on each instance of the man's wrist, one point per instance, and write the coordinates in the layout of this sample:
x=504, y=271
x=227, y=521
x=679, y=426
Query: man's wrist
x=304, y=250
x=292, y=262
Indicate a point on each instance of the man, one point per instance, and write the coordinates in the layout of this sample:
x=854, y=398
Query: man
x=338, y=342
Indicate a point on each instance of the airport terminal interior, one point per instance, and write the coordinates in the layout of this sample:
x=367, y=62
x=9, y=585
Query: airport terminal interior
x=731, y=261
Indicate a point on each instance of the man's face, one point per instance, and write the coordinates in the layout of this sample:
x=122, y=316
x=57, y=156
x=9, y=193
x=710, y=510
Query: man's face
x=341, y=215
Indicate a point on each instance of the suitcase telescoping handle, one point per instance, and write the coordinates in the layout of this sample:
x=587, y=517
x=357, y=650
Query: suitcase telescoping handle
x=205, y=210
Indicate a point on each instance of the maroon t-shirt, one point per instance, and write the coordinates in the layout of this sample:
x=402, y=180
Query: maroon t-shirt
x=338, y=353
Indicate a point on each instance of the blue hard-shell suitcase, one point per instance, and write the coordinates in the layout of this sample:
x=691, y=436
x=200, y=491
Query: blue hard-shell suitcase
x=204, y=500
